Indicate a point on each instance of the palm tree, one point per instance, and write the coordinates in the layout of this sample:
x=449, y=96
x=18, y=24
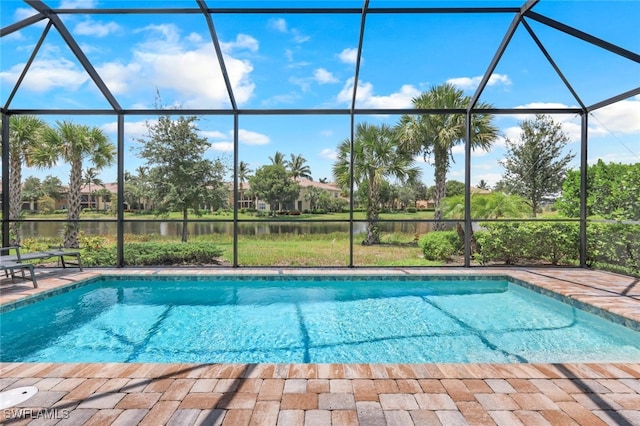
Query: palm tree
x=376, y=156
x=483, y=184
x=298, y=168
x=75, y=143
x=436, y=134
x=278, y=159
x=89, y=177
x=243, y=175
x=25, y=137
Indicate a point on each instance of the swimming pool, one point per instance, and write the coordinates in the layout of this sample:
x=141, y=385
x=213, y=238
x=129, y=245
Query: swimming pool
x=326, y=319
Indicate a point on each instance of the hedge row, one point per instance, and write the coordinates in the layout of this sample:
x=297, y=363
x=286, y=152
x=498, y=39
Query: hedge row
x=156, y=254
x=610, y=246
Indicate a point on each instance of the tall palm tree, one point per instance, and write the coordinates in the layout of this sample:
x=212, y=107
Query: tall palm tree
x=376, y=156
x=74, y=143
x=90, y=177
x=243, y=175
x=436, y=134
x=298, y=168
x=25, y=137
x=278, y=159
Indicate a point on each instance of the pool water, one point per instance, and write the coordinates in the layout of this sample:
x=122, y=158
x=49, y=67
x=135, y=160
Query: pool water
x=309, y=319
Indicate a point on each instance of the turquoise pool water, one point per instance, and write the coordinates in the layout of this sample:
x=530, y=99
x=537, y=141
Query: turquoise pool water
x=309, y=319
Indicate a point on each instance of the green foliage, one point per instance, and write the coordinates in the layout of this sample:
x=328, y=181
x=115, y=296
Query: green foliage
x=440, y=245
x=180, y=177
x=495, y=205
x=273, y=184
x=46, y=205
x=614, y=246
x=613, y=191
x=534, y=164
x=454, y=188
x=435, y=135
x=155, y=254
x=376, y=156
x=511, y=242
x=411, y=210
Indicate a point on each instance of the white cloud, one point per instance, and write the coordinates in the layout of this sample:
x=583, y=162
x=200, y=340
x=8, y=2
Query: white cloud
x=194, y=38
x=78, y=4
x=242, y=41
x=24, y=12
x=349, y=55
x=248, y=137
x=96, y=28
x=460, y=149
x=621, y=117
x=117, y=76
x=365, y=97
x=163, y=56
x=222, y=146
x=132, y=129
x=45, y=74
x=278, y=24
x=298, y=37
x=490, y=178
x=470, y=83
x=215, y=134
x=323, y=76
x=329, y=154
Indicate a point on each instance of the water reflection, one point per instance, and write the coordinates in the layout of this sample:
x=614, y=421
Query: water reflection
x=174, y=229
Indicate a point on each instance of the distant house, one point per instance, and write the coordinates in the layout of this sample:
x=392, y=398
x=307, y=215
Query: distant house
x=301, y=204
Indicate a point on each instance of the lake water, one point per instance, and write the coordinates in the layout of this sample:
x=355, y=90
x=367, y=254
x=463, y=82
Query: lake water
x=31, y=229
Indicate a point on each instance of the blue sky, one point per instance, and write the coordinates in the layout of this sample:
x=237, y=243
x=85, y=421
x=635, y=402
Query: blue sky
x=284, y=61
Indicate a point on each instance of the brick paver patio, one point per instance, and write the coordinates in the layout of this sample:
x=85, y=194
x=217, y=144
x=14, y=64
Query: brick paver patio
x=338, y=394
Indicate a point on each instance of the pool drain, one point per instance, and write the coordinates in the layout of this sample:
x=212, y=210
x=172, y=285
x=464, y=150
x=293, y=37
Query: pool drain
x=16, y=396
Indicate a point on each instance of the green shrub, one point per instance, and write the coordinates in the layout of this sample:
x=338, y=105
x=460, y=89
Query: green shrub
x=440, y=245
x=411, y=210
x=512, y=242
x=614, y=247
x=170, y=253
x=155, y=254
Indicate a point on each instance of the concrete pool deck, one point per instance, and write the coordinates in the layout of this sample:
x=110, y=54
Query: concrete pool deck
x=339, y=394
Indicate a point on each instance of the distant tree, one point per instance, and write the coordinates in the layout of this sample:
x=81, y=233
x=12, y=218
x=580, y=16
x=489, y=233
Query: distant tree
x=46, y=205
x=137, y=191
x=25, y=139
x=273, y=184
x=495, y=205
x=298, y=168
x=376, y=155
x=313, y=196
x=535, y=166
x=454, y=188
x=435, y=135
x=181, y=179
x=52, y=187
x=502, y=186
x=420, y=191
x=278, y=159
x=75, y=144
x=482, y=184
x=406, y=195
x=243, y=174
x=613, y=191
x=32, y=189
x=90, y=177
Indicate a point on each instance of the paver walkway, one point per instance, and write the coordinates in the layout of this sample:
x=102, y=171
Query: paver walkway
x=338, y=394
